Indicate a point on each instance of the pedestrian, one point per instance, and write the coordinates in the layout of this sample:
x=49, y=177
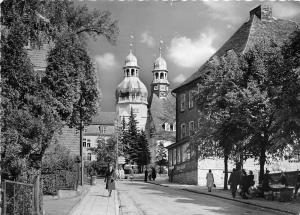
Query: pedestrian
x=244, y=184
x=110, y=178
x=251, y=181
x=146, y=174
x=234, y=181
x=283, y=179
x=150, y=174
x=131, y=173
x=153, y=173
x=297, y=184
x=209, y=180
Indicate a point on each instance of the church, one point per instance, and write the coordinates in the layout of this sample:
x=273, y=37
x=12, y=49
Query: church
x=149, y=109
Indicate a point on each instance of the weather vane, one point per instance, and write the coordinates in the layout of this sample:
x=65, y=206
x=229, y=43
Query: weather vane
x=160, y=47
x=131, y=42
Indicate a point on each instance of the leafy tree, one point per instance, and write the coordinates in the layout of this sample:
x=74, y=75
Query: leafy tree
x=161, y=157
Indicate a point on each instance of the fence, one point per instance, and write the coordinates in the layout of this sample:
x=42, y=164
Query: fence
x=60, y=179
x=18, y=198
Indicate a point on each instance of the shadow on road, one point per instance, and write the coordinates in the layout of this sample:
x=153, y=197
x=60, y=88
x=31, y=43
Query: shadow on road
x=206, y=204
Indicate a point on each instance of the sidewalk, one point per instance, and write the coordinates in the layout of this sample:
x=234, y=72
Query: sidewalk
x=285, y=207
x=96, y=202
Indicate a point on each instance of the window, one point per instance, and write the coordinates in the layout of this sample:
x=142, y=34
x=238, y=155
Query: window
x=171, y=127
x=85, y=129
x=174, y=126
x=155, y=87
x=183, y=129
x=191, y=99
x=199, y=87
x=182, y=102
x=83, y=142
x=162, y=87
x=88, y=143
x=167, y=126
x=89, y=156
x=135, y=110
x=102, y=129
x=191, y=128
x=178, y=155
x=132, y=72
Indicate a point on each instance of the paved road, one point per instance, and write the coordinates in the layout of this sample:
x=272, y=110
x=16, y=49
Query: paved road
x=139, y=198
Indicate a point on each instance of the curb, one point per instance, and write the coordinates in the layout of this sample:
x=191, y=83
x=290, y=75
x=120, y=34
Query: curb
x=222, y=197
x=83, y=194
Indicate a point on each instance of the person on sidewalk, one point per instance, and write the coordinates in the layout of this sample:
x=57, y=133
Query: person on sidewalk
x=283, y=179
x=153, y=173
x=110, y=178
x=297, y=184
x=131, y=172
x=209, y=180
x=234, y=181
x=244, y=184
x=146, y=174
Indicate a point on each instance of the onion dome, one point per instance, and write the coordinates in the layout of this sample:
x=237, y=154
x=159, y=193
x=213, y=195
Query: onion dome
x=132, y=86
x=160, y=64
x=131, y=60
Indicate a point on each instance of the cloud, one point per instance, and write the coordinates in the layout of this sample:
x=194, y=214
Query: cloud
x=189, y=53
x=147, y=39
x=179, y=79
x=224, y=10
x=106, y=61
x=285, y=9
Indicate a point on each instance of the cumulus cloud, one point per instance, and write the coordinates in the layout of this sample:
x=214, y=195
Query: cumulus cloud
x=147, y=39
x=179, y=79
x=189, y=53
x=106, y=61
x=285, y=9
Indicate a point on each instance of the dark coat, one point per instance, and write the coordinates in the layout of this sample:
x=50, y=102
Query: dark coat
x=153, y=173
x=234, y=180
x=110, y=178
x=266, y=183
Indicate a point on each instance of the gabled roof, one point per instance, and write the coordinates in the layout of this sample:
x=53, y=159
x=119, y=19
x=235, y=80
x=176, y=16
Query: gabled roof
x=247, y=36
x=104, y=118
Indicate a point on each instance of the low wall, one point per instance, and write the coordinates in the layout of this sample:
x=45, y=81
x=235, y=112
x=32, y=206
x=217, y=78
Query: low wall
x=186, y=177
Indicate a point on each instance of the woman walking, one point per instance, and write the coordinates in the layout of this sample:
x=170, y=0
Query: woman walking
x=209, y=180
x=110, y=178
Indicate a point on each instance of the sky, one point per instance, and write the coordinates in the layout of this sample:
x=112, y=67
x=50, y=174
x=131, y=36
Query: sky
x=191, y=32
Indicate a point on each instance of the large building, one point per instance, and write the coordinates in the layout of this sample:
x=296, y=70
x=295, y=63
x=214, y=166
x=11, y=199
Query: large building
x=186, y=167
x=132, y=94
x=101, y=129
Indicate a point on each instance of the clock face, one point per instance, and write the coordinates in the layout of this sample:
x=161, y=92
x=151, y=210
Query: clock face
x=162, y=87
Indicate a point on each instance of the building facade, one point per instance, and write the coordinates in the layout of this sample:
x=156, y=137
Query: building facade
x=132, y=94
x=101, y=129
x=185, y=165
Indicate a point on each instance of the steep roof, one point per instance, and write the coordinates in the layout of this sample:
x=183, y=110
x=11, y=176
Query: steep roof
x=104, y=118
x=252, y=31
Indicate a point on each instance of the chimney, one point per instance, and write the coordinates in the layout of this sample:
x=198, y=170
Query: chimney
x=263, y=12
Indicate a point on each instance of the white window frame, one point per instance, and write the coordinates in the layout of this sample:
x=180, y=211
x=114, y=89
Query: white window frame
x=191, y=127
x=88, y=143
x=191, y=99
x=167, y=126
x=84, y=142
x=182, y=102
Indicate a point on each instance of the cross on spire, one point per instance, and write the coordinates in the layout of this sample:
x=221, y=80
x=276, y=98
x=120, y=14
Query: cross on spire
x=160, y=47
x=131, y=43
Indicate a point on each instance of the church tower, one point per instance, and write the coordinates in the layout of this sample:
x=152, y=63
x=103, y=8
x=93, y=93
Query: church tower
x=160, y=84
x=131, y=94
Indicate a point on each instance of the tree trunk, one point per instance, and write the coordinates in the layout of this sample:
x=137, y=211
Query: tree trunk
x=226, y=171
x=262, y=161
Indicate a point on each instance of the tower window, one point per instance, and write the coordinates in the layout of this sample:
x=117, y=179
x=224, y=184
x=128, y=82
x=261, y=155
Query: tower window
x=132, y=72
x=127, y=72
x=156, y=75
x=155, y=87
x=161, y=75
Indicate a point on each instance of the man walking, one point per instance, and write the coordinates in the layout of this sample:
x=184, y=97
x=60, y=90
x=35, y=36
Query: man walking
x=234, y=181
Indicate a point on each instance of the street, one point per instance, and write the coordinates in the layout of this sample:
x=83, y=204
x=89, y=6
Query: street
x=148, y=199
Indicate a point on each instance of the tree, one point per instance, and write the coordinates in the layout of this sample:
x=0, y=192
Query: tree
x=246, y=102
x=161, y=157
x=143, y=150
